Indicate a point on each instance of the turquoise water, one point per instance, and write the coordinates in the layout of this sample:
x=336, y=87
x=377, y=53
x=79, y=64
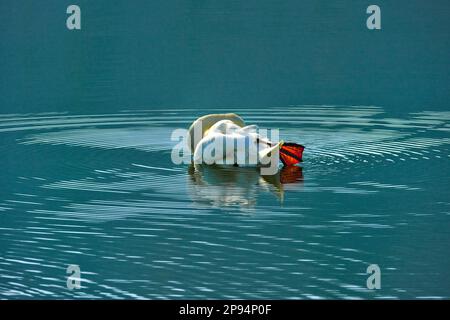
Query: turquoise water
x=100, y=191
x=85, y=124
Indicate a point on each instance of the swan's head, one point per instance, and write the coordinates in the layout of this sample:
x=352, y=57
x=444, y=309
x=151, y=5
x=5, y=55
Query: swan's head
x=199, y=127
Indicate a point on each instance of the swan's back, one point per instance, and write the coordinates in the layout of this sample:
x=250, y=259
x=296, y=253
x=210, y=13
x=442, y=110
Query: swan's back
x=204, y=123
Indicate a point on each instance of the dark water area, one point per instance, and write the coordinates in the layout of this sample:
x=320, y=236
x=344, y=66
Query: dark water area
x=85, y=124
x=205, y=54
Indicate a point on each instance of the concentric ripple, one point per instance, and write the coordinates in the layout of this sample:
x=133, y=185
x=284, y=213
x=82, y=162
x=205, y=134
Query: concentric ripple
x=100, y=191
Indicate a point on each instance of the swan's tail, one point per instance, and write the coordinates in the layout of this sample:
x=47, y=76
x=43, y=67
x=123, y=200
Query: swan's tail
x=291, y=153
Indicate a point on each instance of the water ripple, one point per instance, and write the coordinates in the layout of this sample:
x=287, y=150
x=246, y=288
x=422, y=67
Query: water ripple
x=99, y=190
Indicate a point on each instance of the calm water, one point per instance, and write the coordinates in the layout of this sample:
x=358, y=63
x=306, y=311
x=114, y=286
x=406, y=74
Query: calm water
x=86, y=177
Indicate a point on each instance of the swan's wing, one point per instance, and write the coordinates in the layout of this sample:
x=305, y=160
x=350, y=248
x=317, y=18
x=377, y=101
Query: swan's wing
x=215, y=148
x=248, y=129
x=223, y=127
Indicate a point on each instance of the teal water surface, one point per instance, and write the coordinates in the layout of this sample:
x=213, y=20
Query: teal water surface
x=86, y=176
x=100, y=191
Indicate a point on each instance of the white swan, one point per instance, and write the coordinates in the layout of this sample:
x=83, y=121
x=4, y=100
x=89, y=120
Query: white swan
x=224, y=139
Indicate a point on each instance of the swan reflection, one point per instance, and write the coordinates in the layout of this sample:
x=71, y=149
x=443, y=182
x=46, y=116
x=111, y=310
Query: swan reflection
x=237, y=186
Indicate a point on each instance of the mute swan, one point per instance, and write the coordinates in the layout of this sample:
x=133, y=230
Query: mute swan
x=224, y=139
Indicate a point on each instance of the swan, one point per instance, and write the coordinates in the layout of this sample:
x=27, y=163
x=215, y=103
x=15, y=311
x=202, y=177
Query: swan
x=224, y=139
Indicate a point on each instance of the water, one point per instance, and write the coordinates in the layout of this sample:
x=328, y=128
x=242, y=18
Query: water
x=85, y=124
x=100, y=191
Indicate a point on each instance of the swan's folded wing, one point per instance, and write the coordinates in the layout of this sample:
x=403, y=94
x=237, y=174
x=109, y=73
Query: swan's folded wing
x=248, y=129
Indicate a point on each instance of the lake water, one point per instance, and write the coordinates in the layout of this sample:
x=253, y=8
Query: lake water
x=87, y=178
x=100, y=191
